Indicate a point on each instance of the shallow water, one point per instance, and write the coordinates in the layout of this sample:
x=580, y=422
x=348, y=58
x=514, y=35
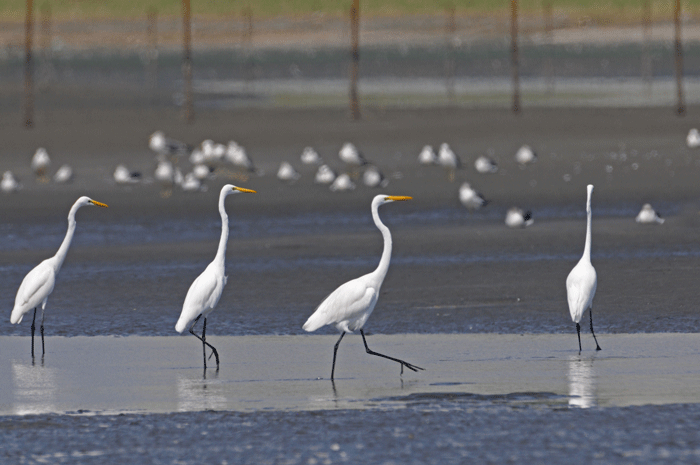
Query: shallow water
x=488, y=398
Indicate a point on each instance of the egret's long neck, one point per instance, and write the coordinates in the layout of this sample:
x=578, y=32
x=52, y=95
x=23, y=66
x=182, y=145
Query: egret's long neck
x=65, y=245
x=221, y=252
x=587, y=248
x=386, y=253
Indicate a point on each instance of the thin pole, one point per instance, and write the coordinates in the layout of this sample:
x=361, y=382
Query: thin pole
x=450, y=29
x=355, y=56
x=549, y=44
x=680, y=109
x=28, y=67
x=514, y=54
x=188, y=111
x=646, y=40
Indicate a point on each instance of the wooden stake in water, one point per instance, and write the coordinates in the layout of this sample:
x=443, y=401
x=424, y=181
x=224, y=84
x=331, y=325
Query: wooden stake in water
x=188, y=109
x=28, y=67
x=514, y=55
x=355, y=58
x=680, y=109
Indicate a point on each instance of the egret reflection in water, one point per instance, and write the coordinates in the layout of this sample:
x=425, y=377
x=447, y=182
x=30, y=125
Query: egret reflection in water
x=34, y=388
x=582, y=388
x=195, y=393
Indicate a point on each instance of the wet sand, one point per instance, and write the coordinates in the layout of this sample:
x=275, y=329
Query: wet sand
x=104, y=375
x=468, y=284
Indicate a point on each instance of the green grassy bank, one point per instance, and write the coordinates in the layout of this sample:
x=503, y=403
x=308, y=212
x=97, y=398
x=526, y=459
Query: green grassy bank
x=605, y=10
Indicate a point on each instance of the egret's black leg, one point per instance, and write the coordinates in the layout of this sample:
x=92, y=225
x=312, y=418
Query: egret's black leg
x=42, y=333
x=33, y=328
x=204, y=339
x=335, y=352
x=578, y=331
x=406, y=364
x=590, y=313
x=216, y=354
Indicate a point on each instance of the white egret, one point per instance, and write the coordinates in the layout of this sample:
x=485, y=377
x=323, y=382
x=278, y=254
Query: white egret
x=205, y=291
x=9, y=183
x=693, y=139
x=525, y=155
x=582, y=281
x=350, y=305
x=485, y=165
x=309, y=156
x=40, y=163
x=38, y=284
x=286, y=172
x=647, y=215
x=517, y=218
x=342, y=183
x=427, y=156
x=165, y=146
x=470, y=198
x=324, y=175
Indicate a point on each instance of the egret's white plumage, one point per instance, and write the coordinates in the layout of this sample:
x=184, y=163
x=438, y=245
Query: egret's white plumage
x=39, y=282
x=525, y=155
x=485, y=165
x=63, y=175
x=286, y=172
x=40, y=163
x=9, y=183
x=349, y=154
x=693, y=138
x=309, y=156
x=324, y=175
x=470, y=198
x=647, y=215
x=518, y=218
x=582, y=281
x=427, y=156
x=350, y=305
x=205, y=291
x=342, y=183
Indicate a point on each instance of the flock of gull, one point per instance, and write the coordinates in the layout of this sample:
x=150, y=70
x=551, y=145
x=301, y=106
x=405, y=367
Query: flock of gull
x=210, y=159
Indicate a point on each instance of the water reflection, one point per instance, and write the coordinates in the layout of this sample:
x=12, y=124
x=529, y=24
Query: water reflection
x=35, y=388
x=196, y=393
x=582, y=389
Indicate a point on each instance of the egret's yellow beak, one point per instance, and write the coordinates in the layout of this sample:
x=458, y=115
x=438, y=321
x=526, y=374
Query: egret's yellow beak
x=398, y=198
x=243, y=189
x=99, y=204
